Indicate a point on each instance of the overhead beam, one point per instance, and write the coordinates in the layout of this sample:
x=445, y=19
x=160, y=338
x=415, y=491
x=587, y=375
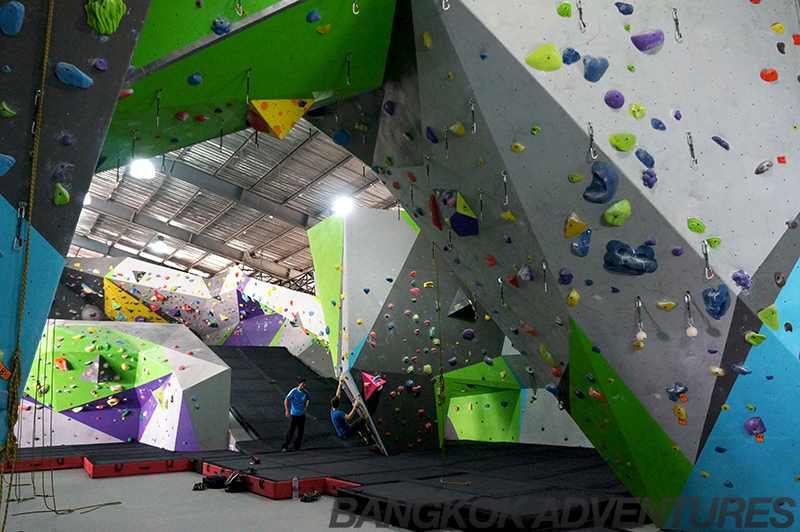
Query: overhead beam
x=218, y=247
x=189, y=174
x=84, y=242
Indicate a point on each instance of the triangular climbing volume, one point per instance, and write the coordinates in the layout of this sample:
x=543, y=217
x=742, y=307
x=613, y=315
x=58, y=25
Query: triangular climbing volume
x=461, y=307
x=99, y=372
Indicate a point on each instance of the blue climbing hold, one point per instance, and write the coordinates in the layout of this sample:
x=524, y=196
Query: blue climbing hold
x=625, y=9
x=740, y=370
x=717, y=301
x=645, y=158
x=431, y=135
x=341, y=138
x=6, y=162
x=220, y=26
x=605, y=180
x=6, y=69
x=570, y=56
x=389, y=279
x=579, y=394
x=565, y=276
x=484, y=56
x=390, y=326
x=552, y=388
x=658, y=124
x=622, y=258
x=676, y=391
x=722, y=142
x=503, y=404
x=195, y=79
x=313, y=16
x=580, y=246
x=11, y=16
x=71, y=75
x=594, y=68
x=327, y=329
x=366, y=290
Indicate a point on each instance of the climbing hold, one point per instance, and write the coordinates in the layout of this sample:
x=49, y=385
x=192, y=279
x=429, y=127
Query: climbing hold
x=618, y=213
x=488, y=360
x=366, y=290
x=574, y=226
x=512, y=280
x=62, y=170
x=508, y=216
x=202, y=118
x=427, y=41
x=625, y=9
x=645, y=158
x=716, y=371
x=313, y=16
x=564, y=10
x=458, y=129
x=614, y=99
x=453, y=361
x=575, y=178
x=777, y=27
x=517, y=147
x=780, y=279
x=535, y=130
x=742, y=280
x=11, y=16
x=195, y=79
x=769, y=75
x=6, y=69
x=597, y=395
x=787, y=327
x=714, y=242
x=740, y=370
x=490, y=260
x=565, y=276
x=434, y=208
x=769, y=317
x=722, y=142
x=636, y=110
x=676, y=391
x=631, y=68
x=580, y=246
x=622, y=258
x=104, y=15
x=415, y=291
x=678, y=251
x=645, y=42
x=182, y=116
x=71, y=75
x=579, y=394
x=695, y=225
x=431, y=135
x=754, y=338
x=5, y=111
x=6, y=162
x=573, y=298
x=763, y=167
x=666, y=305
x=525, y=274
x=545, y=58
x=604, y=183
x=658, y=124
x=677, y=114
x=506, y=239
x=594, y=68
x=65, y=140
x=649, y=178
x=221, y=26
x=717, y=301
x=60, y=195
x=754, y=426
x=622, y=141
x=551, y=361
x=680, y=413
x=569, y=56
x=468, y=334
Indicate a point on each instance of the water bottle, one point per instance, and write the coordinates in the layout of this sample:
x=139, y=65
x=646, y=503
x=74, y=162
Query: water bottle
x=295, y=489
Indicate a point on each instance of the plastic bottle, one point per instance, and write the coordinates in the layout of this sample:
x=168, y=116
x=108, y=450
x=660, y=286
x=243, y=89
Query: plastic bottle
x=295, y=489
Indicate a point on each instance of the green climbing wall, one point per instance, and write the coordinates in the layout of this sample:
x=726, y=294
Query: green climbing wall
x=326, y=240
x=636, y=448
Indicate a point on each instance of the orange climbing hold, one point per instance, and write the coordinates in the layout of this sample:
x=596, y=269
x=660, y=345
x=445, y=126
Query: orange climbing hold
x=769, y=75
x=490, y=260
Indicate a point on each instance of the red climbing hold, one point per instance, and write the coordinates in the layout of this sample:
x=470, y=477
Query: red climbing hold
x=414, y=359
x=124, y=93
x=490, y=260
x=594, y=393
x=411, y=177
x=372, y=334
x=413, y=274
x=396, y=185
x=556, y=372
x=512, y=280
x=372, y=344
x=61, y=363
x=202, y=118
x=796, y=38
x=434, y=208
x=781, y=160
x=417, y=388
x=769, y=75
x=182, y=116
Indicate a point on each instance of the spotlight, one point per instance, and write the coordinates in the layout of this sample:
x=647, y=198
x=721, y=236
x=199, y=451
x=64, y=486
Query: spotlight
x=343, y=205
x=142, y=169
x=87, y=199
x=159, y=246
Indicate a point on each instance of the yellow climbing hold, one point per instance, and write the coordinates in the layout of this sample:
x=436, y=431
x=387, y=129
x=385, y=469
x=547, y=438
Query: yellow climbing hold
x=574, y=226
x=77, y=337
x=480, y=160
x=427, y=41
x=450, y=76
x=547, y=58
x=639, y=345
x=716, y=371
x=666, y=305
x=359, y=322
x=91, y=329
x=428, y=284
x=486, y=317
x=342, y=297
x=112, y=401
x=777, y=27
x=573, y=298
x=703, y=474
x=458, y=129
x=680, y=413
x=336, y=267
x=726, y=407
x=322, y=30
x=508, y=216
x=89, y=348
x=502, y=374
x=517, y=147
x=124, y=367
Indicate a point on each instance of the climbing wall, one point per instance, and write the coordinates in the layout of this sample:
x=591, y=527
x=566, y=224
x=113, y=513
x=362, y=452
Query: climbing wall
x=559, y=175
x=107, y=382
x=71, y=129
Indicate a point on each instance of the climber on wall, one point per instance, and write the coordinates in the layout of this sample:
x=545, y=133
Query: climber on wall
x=348, y=424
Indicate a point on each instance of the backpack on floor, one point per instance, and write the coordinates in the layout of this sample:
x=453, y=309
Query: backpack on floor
x=235, y=482
x=216, y=481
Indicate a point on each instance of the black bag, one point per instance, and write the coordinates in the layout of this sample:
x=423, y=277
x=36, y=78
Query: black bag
x=216, y=481
x=235, y=482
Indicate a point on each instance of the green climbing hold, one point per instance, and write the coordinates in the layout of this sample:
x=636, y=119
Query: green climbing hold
x=410, y=369
x=427, y=369
x=636, y=110
x=564, y=10
x=437, y=342
x=622, y=141
x=436, y=306
x=408, y=137
x=60, y=195
x=769, y=316
x=413, y=299
x=632, y=68
x=413, y=283
x=547, y=356
x=529, y=369
x=618, y=213
x=535, y=130
x=545, y=58
x=695, y=225
x=432, y=332
x=575, y=178
x=754, y=338
x=104, y=15
x=387, y=161
x=415, y=318
x=627, y=27
x=714, y=242
x=5, y=112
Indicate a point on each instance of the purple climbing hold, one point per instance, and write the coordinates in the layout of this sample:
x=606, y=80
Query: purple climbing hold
x=65, y=140
x=565, y=276
x=218, y=110
x=570, y=56
x=101, y=64
x=649, y=178
x=754, y=425
x=431, y=135
x=678, y=251
x=647, y=41
x=614, y=290
x=453, y=361
x=468, y=334
x=198, y=3
x=388, y=107
x=650, y=242
x=488, y=360
x=525, y=274
x=175, y=140
x=506, y=239
x=728, y=484
x=614, y=99
x=677, y=114
x=722, y=142
x=62, y=170
x=131, y=70
x=301, y=103
x=743, y=280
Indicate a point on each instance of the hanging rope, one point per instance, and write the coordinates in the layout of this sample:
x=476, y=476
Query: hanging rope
x=9, y=450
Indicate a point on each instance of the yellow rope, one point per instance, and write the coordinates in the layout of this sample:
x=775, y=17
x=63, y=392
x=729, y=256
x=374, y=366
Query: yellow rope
x=8, y=451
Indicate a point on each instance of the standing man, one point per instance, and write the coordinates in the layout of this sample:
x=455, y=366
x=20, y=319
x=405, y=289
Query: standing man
x=296, y=403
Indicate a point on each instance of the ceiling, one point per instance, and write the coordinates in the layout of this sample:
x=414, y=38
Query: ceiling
x=244, y=198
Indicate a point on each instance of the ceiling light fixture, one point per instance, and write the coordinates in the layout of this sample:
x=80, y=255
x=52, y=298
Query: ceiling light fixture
x=159, y=246
x=343, y=205
x=142, y=169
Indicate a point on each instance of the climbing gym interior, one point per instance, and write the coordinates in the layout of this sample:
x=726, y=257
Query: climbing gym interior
x=544, y=249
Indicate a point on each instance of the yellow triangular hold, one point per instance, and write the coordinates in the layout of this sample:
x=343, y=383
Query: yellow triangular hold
x=280, y=115
x=666, y=305
x=777, y=27
x=223, y=317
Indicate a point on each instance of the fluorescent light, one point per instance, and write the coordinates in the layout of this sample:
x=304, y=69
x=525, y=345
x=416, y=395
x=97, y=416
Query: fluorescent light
x=87, y=199
x=159, y=246
x=142, y=169
x=343, y=205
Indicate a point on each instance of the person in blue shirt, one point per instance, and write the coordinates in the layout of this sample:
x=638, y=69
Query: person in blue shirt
x=296, y=403
x=347, y=424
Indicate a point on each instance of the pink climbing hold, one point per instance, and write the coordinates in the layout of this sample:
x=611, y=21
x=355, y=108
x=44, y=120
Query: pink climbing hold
x=371, y=383
x=421, y=412
x=415, y=291
x=181, y=368
x=597, y=395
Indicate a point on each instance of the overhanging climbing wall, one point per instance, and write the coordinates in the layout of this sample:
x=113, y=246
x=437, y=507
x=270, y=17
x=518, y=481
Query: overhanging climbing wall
x=574, y=239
